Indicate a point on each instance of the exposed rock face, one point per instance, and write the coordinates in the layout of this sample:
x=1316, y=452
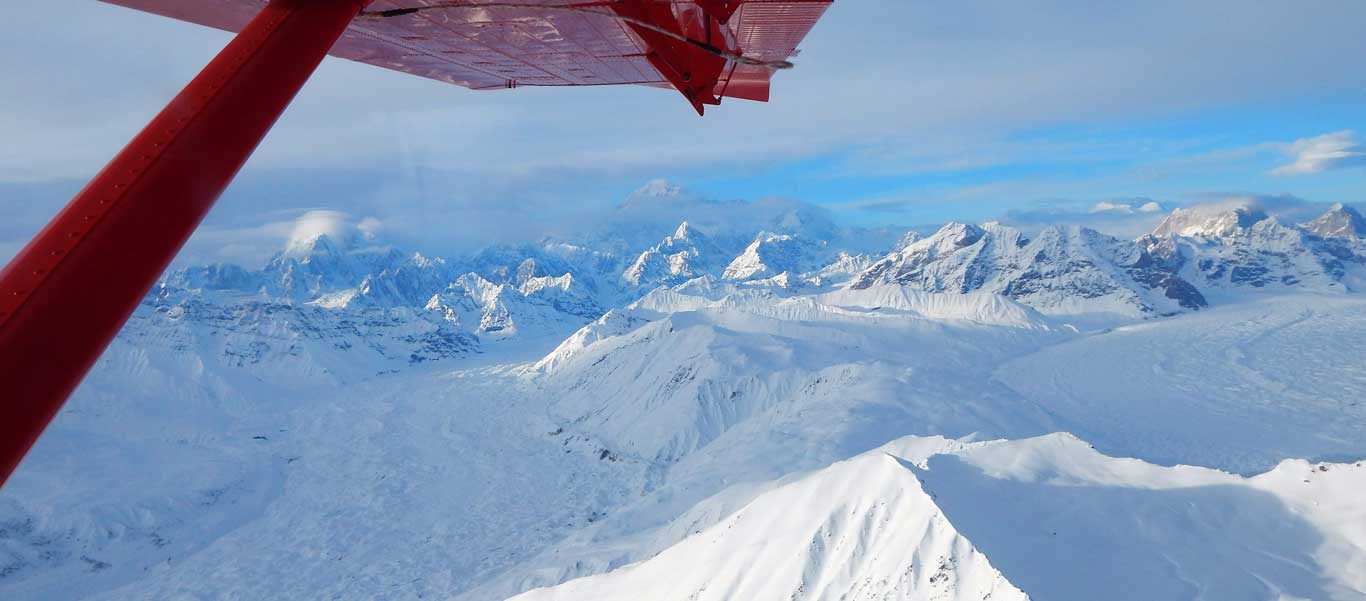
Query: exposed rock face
x=1061, y=270
x=1245, y=248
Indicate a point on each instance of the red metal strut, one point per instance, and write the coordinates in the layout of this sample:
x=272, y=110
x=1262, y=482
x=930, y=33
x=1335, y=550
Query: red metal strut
x=66, y=294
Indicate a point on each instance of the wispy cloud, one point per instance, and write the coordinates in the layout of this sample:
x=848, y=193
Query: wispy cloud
x=1337, y=150
x=1126, y=207
x=1124, y=217
x=1288, y=207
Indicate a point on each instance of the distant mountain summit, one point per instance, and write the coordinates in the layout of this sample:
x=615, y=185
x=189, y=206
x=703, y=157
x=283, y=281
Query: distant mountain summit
x=683, y=255
x=1062, y=270
x=347, y=287
x=771, y=255
x=1340, y=221
x=1207, y=222
x=1244, y=248
x=659, y=193
x=535, y=307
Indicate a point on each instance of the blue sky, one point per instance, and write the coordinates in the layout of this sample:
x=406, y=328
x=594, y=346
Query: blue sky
x=899, y=112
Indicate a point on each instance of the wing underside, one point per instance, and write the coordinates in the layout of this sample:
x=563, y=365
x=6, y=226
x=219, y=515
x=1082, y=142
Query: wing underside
x=707, y=49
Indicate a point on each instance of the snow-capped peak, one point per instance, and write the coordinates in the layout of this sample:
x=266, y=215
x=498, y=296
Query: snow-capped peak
x=661, y=193
x=683, y=231
x=1340, y=221
x=685, y=254
x=658, y=188
x=1215, y=221
x=955, y=235
x=1243, y=247
x=317, y=245
x=329, y=232
x=908, y=238
x=772, y=254
x=1063, y=270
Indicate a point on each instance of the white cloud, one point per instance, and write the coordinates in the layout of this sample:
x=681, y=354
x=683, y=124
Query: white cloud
x=1337, y=150
x=369, y=229
x=1125, y=208
x=252, y=245
x=1126, y=218
x=1106, y=206
x=1286, y=207
x=314, y=224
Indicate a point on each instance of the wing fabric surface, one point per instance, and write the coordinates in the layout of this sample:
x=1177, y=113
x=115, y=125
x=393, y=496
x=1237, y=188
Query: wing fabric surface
x=689, y=45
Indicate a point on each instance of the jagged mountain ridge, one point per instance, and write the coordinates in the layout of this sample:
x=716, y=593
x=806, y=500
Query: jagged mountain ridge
x=1245, y=248
x=683, y=255
x=1067, y=270
x=1192, y=253
x=771, y=255
x=552, y=288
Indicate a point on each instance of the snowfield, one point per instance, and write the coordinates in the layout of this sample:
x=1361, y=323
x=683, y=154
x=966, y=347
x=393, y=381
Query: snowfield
x=1239, y=388
x=743, y=414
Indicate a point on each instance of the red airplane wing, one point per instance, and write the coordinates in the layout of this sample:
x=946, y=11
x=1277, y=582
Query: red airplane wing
x=707, y=49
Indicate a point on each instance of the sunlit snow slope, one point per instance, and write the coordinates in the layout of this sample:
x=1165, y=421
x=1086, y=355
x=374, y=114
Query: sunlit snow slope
x=931, y=519
x=859, y=530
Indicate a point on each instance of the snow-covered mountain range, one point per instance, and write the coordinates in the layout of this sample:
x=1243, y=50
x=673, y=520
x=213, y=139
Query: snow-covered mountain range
x=547, y=290
x=776, y=407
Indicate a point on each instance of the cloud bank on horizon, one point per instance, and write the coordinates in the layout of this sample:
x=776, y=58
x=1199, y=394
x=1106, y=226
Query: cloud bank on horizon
x=898, y=113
